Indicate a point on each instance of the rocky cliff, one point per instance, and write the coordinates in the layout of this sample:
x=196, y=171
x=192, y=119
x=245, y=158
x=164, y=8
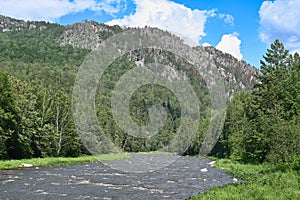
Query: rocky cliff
x=238, y=75
x=10, y=24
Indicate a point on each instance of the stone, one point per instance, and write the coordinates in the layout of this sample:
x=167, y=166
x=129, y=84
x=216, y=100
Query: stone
x=170, y=181
x=26, y=165
x=204, y=170
x=212, y=163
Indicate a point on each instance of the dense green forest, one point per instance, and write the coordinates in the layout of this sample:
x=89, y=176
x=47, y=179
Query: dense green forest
x=36, y=79
x=37, y=75
x=264, y=124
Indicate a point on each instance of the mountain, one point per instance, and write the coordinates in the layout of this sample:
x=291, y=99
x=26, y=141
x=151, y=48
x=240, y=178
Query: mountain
x=48, y=56
x=238, y=75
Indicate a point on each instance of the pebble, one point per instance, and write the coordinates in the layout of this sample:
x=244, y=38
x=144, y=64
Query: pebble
x=170, y=181
x=204, y=170
x=212, y=163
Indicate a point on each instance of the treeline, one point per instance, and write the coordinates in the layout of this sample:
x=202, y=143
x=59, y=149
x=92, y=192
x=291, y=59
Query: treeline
x=264, y=125
x=36, y=79
x=35, y=56
x=35, y=122
x=152, y=94
x=37, y=115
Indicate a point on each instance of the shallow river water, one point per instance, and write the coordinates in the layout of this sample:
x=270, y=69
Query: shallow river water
x=182, y=178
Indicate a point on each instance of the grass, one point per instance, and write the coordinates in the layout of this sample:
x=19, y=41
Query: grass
x=155, y=152
x=261, y=182
x=60, y=161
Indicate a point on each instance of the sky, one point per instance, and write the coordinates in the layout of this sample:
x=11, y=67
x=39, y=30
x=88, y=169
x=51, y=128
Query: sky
x=243, y=28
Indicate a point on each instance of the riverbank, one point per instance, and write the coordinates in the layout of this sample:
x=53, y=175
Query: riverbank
x=59, y=161
x=261, y=182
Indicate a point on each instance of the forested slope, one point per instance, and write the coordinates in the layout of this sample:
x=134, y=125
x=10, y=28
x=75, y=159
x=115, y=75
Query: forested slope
x=39, y=62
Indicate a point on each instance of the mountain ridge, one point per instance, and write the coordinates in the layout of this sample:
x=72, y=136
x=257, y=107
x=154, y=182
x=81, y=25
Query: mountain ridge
x=238, y=74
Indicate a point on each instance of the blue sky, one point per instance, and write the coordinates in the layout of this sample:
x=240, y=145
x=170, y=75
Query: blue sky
x=243, y=28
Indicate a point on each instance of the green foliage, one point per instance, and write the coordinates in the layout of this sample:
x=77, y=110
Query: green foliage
x=232, y=141
x=264, y=125
x=145, y=97
x=8, y=123
x=36, y=118
x=36, y=56
x=19, y=145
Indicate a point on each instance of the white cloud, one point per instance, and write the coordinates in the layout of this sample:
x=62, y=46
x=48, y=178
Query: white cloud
x=281, y=20
x=230, y=43
x=168, y=15
x=205, y=44
x=51, y=10
x=227, y=18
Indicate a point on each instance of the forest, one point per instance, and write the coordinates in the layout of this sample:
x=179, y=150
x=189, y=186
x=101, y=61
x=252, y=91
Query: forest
x=36, y=79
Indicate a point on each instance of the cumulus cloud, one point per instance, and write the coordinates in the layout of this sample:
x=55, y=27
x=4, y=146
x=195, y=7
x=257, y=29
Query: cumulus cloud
x=230, y=43
x=280, y=19
x=227, y=18
x=51, y=10
x=168, y=15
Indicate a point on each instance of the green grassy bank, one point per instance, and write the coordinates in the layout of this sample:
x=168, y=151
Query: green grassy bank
x=59, y=161
x=262, y=182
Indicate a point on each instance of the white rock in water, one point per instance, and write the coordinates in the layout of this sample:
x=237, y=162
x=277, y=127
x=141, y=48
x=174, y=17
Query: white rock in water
x=212, y=163
x=7, y=181
x=170, y=181
x=235, y=180
x=26, y=165
x=204, y=170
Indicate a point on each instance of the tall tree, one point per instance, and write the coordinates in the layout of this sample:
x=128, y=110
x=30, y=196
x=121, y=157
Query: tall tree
x=25, y=105
x=273, y=104
x=7, y=114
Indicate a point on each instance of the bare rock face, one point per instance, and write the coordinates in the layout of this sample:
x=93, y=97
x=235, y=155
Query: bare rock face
x=239, y=75
x=9, y=24
x=88, y=34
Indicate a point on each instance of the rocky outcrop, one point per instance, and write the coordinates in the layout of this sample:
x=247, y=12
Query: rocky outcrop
x=88, y=34
x=239, y=75
x=9, y=24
